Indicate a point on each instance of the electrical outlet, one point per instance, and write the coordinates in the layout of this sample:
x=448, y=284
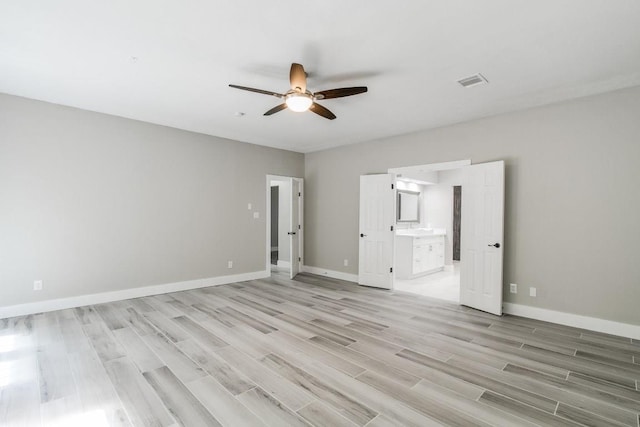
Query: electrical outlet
x=229, y=264
x=256, y=215
x=513, y=288
x=346, y=262
x=533, y=292
x=249, y=206
x=37, y=285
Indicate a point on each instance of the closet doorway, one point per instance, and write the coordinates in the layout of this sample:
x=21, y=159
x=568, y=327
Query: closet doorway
x=284, y=224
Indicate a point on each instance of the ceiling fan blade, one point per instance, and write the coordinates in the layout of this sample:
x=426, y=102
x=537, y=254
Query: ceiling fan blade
x=276, y=109
x=339, y=93
x=250, y=89
x=321, y=111
x=298, y=77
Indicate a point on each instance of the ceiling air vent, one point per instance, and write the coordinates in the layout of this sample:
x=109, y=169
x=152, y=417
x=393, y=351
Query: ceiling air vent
x=476, y=79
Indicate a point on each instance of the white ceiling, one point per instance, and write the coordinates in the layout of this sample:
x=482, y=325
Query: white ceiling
x=409, y=53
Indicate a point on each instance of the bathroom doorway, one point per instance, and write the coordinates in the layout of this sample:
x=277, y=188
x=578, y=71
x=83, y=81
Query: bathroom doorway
x=426, y=261
x=407, y=248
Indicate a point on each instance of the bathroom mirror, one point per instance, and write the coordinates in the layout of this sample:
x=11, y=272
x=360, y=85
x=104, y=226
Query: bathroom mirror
x=408, y=206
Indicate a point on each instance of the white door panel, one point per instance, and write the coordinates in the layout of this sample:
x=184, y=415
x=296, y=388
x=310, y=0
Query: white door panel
x=377, y=216
x=482, y=237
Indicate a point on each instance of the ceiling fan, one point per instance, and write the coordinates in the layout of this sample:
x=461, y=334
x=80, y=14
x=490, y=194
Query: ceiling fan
x=299, y=99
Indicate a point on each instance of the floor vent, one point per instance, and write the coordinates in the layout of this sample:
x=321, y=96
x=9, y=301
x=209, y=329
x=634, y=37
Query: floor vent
x=476, y=79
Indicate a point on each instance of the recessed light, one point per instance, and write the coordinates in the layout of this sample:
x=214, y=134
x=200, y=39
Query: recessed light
x=133, y=59
x=476, y=79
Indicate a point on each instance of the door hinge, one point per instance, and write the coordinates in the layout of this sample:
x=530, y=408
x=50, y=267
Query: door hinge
x=298, y=226
x=299, y=194
x=392, y=186
x=299, y=259
x=392, y=228
x=391, y=270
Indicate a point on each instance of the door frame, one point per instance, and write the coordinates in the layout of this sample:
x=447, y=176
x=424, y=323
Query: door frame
x=426, y=170
x=300, y=233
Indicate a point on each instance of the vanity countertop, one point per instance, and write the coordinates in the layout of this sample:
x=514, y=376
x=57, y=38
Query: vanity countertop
x=421, y=232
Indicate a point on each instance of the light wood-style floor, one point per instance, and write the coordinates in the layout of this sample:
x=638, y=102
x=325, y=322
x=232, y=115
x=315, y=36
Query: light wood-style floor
x=313, y=351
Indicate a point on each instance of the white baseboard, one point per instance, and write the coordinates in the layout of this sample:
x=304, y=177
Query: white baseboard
x=330, y=273
x=283, y=264
x=103, y=297
x=568, y=319
x=575, y=320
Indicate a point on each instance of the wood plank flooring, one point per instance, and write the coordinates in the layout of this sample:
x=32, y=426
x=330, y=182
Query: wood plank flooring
x=312, y=351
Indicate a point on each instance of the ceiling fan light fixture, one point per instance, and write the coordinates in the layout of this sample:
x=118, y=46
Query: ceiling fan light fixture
x=298, y=102
x=299, y=99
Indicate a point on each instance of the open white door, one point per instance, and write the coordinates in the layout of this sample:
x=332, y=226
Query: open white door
x=377, y=217
x=481, y=237
x=294, y=229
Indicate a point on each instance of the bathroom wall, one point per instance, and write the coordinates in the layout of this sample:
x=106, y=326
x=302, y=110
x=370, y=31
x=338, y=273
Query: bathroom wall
x=438, y=207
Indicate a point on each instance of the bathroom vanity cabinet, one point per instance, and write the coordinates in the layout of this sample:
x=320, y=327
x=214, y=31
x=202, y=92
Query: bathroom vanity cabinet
x=418, y=255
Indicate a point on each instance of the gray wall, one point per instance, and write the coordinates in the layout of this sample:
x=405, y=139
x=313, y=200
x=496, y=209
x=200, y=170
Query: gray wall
x=572, y=198
x=93, y=203
x=438, y=207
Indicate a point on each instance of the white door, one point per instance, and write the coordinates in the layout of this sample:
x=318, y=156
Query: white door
x=481, y=237
x=294, y=229
x=377, y=217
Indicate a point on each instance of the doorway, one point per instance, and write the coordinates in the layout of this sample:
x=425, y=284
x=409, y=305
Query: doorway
x=275, y=222
x=284, y=224
x=417, y=242
x=425, y=263
x=279, y=222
